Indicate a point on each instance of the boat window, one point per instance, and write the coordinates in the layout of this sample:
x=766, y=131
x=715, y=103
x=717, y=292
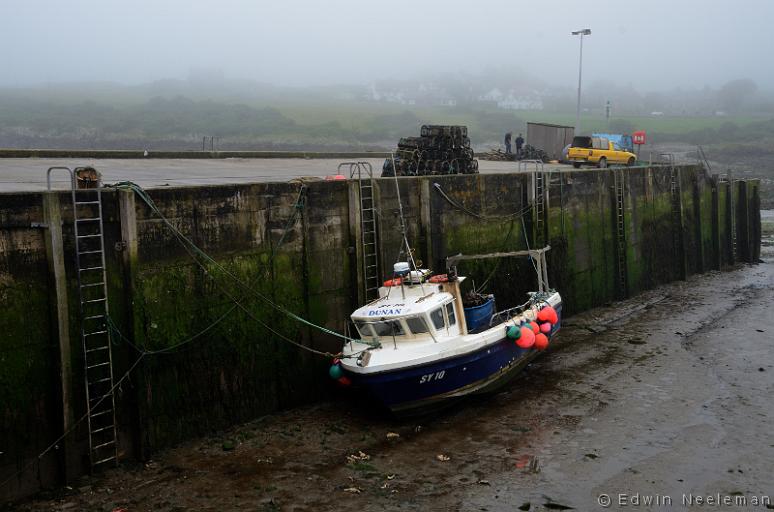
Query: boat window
x=388, y=328
x=437, y=317
x=417, y=325
x=450, y=313
x=364, y=329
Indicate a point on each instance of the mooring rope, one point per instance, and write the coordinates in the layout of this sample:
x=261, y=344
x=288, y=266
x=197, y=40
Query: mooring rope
x=499, y=260
x=195, y=251
x=192, y=250
x=298, y=206
x=55, y=444
x=479, y=216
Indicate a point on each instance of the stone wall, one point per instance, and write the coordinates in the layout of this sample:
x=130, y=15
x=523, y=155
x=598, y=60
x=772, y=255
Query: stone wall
x=295, y=244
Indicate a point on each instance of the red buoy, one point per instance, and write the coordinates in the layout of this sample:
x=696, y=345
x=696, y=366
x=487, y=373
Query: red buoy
x=541, y=341
x=548, y=314
x=393, y=282
x=344, y=380
x=535, y=327
x=527, y=338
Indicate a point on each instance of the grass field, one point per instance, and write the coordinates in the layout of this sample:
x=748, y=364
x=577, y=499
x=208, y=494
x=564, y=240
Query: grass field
x=660, y=124
x=360, y=114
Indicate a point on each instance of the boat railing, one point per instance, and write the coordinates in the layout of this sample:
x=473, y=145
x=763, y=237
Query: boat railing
x=503, y=316
x=538, y=257
x=507, y=314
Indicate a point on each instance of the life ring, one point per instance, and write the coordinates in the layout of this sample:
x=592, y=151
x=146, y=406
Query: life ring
x=393, y=282
x=441, y=278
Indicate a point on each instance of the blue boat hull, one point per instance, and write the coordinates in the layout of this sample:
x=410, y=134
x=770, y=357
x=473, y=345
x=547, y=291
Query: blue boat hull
x=407, y=390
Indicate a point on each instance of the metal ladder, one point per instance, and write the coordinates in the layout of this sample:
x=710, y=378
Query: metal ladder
x=95, y=335
x=363, y=172
x=675, y=189
x=729, y=178
x=539, y=195
x=539, y=179
x=619, y=185
x=702, y=158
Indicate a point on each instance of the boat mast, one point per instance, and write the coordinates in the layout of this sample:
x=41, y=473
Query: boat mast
x=403, y=228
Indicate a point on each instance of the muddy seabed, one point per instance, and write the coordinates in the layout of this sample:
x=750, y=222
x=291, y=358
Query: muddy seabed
x=665, y=394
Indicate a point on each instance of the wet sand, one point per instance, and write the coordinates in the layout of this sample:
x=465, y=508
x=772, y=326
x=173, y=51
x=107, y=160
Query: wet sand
x=664, y=395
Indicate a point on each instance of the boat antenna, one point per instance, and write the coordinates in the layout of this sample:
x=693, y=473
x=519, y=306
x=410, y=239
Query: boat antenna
x=403, y=223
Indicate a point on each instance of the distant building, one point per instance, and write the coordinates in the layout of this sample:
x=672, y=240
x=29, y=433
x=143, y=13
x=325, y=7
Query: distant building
x=511, y=102
x=422, y=93
x=494, y=95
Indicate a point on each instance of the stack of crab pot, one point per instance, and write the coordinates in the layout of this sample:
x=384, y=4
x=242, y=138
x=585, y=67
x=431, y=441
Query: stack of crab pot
x=438, y=150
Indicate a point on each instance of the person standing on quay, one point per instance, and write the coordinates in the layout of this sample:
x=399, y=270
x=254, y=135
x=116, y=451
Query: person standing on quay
x=519, y=144
x=508, y=143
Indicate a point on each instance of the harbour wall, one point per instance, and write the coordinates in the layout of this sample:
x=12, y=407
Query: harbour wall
x=175, y=155
x=211, y=335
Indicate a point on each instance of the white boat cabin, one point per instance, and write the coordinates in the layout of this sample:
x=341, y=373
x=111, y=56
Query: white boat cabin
x=412, y=309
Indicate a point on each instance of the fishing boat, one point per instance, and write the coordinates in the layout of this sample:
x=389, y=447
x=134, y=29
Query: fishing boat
x=421, y=344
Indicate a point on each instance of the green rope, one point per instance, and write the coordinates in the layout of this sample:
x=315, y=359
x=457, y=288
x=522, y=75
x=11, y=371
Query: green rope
x=479, y=216
x=499, y=260
x=114, y=330
x=195, y=251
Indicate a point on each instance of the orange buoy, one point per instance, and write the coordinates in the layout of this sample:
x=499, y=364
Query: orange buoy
x=541, y=341
x=527, y=338
x=393, y=282
x=548, y=314
x=440, y=278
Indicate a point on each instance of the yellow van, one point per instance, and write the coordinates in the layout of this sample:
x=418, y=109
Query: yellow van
x=597, y=151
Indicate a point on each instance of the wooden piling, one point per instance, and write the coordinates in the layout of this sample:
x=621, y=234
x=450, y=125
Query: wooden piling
x=56, y=265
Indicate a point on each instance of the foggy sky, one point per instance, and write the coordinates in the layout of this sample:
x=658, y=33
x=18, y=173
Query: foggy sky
x=661, y=45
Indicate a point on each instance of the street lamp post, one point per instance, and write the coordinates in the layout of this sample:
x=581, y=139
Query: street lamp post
x=581, y=33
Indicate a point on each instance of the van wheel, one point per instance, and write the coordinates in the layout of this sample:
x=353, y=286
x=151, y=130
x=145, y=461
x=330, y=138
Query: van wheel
x=603, y=163
x=630, y=162
x=576, y=165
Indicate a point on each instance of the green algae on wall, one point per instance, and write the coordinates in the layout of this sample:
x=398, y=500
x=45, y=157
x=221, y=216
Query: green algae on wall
x=301, y=259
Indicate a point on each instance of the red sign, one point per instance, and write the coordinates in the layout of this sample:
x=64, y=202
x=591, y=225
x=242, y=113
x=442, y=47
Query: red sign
x=639, y=138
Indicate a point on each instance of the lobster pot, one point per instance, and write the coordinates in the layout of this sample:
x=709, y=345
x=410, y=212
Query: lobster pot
x=440, y=149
